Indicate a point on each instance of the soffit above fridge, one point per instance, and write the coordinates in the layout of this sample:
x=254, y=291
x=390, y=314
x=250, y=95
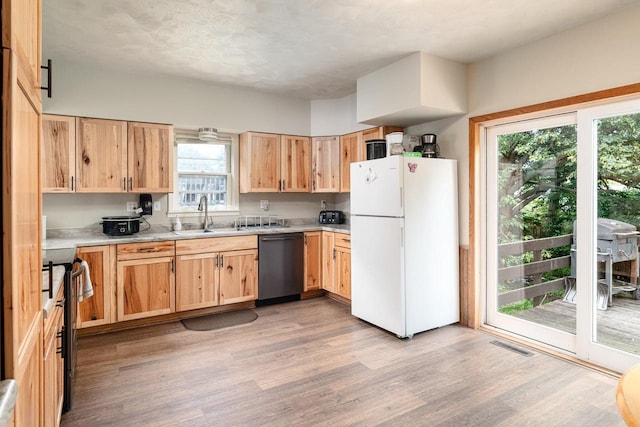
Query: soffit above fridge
x=416, y=89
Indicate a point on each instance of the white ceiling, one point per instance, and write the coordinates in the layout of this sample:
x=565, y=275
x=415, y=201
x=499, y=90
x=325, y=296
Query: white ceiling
x=312, y=49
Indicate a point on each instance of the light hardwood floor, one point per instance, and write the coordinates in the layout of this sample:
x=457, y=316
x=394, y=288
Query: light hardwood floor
x=311, y=363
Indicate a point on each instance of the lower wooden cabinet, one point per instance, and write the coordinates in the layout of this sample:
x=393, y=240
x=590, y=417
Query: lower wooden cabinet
x=342, y=249
x=98, y=309
x=238, y=276
x=336, y=263
x=312, y=260
x=197, y=281
x=219, y=270
x=145, y=280
x=328, y=262
x=53, y=365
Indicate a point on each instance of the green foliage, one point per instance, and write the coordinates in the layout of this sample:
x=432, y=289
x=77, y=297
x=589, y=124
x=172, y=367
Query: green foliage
x=516, y=307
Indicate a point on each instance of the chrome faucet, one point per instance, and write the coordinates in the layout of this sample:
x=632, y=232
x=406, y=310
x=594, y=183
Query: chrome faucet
x=204, y=199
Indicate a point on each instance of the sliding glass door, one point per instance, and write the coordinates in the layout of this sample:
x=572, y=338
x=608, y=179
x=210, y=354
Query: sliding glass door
x=562, y=203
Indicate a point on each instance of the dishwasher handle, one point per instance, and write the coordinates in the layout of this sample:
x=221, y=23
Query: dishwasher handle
x=272, y=239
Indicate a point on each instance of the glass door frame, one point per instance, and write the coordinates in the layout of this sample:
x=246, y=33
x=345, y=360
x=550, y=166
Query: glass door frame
x=587, y=204
x=561, y=340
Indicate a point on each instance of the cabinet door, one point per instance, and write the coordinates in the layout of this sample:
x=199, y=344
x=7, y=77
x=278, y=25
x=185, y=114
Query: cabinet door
x=150, y=158
x=58, y=153
x=101, y=156
x=295, y=164
x=328, y=259
x=238, y=276
x=21, y=32
x=312, y=260
x=197, y=284
x=98, y=309
x=145, y=288
x=351, y=150
x=325, y=164
x=49, y=379
x=373, y=133
x=343, y=271
x=259, y=162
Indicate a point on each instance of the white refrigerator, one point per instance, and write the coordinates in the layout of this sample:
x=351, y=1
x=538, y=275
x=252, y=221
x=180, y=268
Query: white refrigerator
x=404, y=243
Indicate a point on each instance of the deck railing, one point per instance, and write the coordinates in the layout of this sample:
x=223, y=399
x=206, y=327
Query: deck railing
x=534, y=285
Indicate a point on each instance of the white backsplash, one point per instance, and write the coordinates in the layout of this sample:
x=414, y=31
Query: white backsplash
x=85, y=210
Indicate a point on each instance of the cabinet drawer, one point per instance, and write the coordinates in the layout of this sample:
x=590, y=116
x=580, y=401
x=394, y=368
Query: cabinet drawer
x=145, y=250
x=216, y=244
x=343, y=240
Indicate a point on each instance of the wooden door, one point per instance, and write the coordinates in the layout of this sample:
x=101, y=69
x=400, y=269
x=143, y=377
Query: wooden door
x=325, y=164
x=21, y=225
x=98, y=309
x=238, y=276
x=343, y=271
x=295, y=164
x=145, y=288
x=328, y=260
x=351, y=150
x=21, y=32
x=259, y=163
x=101, y=156
x=58, y=154
x=150, y=158
x=312, y=260
x=197, y=284
x=53, y=368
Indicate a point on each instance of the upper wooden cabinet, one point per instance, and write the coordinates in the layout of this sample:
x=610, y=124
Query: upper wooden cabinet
x=106, y=156
x=378, y=133
x=101, y=156
x=325, y=164
x=150, y=158
x=351, y=150
x=21, y=32
x=295, y=163
x=58, y=154
x=274, y=163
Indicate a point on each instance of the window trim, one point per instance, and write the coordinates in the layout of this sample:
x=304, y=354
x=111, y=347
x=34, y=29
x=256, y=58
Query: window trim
x=233, y=178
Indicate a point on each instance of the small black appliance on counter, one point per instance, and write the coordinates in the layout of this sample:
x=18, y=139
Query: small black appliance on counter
x=331, y=217
x=120, y=225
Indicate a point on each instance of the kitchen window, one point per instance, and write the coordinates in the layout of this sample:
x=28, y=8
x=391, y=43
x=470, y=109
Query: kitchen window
x=204, y=168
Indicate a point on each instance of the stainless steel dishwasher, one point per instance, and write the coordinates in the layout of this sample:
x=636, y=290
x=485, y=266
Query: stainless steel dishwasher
x=280, y=267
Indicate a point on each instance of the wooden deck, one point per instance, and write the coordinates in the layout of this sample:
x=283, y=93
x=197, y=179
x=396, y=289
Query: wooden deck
x=618, y=326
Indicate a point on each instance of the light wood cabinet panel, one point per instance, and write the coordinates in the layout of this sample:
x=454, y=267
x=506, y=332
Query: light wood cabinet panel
x=343, y=271
x=53, y=366
x=328, y=258
x=101, y=156
x=295, y=164
x=150, y=158
x=238, y=276
x=351, y=150
x=145, y=250
x=29, y=375
x=21, y=32
x=145, y=287
x=259, y=162
x=312, y=260
x=98, y=309
x=197, y=281
x=216, y=244
x=58, y=154
x=325, y=164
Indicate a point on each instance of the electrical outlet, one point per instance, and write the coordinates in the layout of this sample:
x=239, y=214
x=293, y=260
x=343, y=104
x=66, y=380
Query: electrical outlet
x=323, y=205
x=156, y=206
x=131, y=206
x=264, y=205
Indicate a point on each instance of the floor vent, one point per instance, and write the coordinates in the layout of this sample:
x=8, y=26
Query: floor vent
x=512, y=348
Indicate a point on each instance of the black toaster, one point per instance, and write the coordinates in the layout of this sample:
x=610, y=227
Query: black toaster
x=331, y=217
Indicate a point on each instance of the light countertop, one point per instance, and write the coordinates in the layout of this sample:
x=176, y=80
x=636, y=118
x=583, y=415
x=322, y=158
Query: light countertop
x=92, y=237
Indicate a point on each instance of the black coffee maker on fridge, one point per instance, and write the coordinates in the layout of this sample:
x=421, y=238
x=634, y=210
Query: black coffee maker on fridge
x=429, y=147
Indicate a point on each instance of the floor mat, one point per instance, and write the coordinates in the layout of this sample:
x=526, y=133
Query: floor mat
x=220, y=320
